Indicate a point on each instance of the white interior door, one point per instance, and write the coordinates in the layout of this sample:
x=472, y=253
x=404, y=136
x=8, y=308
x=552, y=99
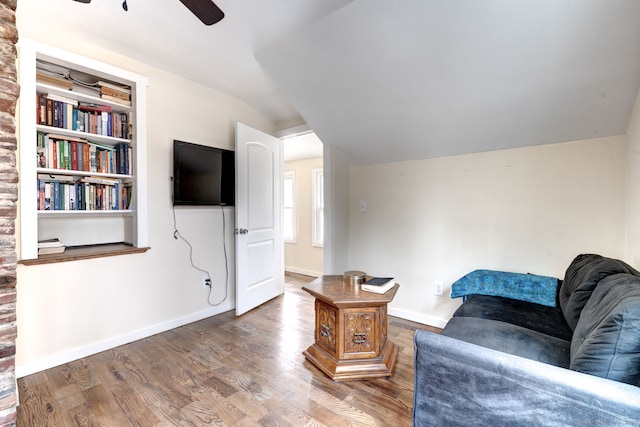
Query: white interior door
x=259, y=245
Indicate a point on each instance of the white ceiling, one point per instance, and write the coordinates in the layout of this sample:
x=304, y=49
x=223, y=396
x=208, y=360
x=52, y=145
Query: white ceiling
x=393, y=80
x=301, y=147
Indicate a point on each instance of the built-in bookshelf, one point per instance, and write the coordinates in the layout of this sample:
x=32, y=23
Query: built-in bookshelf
x=82, y=149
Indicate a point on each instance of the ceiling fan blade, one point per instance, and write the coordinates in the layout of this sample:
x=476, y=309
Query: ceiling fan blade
x=84, y=1
x=205, y=10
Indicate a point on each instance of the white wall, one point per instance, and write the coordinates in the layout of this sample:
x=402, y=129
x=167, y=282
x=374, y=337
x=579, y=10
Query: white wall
x=301, y=256
x=633, y=187
x=71, y=309
x=524, y=210
x=336, y=207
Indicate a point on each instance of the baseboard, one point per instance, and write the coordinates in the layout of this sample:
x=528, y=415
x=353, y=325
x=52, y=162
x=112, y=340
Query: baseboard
x=301, y=271
x=29, y=368
x=417, y=317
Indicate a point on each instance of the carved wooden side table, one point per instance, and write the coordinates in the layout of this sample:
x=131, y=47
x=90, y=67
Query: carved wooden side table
x=351, y=330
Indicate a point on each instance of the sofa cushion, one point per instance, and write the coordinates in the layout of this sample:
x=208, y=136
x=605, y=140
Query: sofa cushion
x=581, y=278
x=540, y=318
x=510, y=339
x=606, y=341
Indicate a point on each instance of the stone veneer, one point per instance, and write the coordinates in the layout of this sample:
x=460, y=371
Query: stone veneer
x=9, y=91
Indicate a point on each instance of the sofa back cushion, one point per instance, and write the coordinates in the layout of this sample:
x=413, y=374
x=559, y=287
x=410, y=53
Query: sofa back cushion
x=606, y=341
x=581, y=278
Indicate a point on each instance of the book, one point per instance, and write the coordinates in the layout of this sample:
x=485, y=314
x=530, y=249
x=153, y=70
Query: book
x=86, y=90
x=379, y=285
x=41, y=192
x=47, y=196
x=66, y=138
x=92, y=107
x=105, y=90
x=50, y=243
x=52, y=69
x=55, y=177
x=48, y=251
x=60, y=98
x=99, y=180
x=114, y=86
x=41, y=112
x=116, y=99
x=41, y=157
x=52, y=80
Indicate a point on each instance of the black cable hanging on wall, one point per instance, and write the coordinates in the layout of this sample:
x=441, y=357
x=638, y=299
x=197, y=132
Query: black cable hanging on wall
x=177, y=235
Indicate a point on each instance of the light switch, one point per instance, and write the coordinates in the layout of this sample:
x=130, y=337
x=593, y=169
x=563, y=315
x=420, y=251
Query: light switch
x=363, y=206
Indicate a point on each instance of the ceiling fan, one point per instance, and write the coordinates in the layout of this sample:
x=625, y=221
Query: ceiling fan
x=205, y=10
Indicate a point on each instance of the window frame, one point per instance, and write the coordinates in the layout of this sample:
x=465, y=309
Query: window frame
x=289, y=175
x=317, y=174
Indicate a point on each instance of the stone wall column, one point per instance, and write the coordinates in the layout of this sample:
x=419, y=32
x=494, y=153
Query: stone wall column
x=9, y=92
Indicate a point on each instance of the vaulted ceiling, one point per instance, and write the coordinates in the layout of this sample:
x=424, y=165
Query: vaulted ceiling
x=393, y=80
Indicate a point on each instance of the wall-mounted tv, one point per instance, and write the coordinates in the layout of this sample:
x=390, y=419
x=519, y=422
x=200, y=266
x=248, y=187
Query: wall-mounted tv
x=202, y=175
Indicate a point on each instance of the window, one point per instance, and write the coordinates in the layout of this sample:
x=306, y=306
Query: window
x=317, y=216
x=288, y=211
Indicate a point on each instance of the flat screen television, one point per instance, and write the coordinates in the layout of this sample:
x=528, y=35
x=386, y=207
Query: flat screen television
x=202, y=175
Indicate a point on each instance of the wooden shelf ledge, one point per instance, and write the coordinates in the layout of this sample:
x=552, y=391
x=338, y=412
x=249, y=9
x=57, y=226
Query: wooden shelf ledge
x=76, y=253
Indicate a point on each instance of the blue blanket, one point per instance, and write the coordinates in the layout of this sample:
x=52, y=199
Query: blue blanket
x=524, y=287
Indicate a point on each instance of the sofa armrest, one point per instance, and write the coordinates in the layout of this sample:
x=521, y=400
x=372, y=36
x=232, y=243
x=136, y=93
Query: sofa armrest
x=458, y=383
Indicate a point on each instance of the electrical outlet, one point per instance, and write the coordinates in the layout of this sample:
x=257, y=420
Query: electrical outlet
x=438, y=288
x=206, y=282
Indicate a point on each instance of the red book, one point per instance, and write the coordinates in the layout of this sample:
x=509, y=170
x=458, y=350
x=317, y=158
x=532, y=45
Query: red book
x=86, y=160
x=49, y=112
x=54, y=144
x=94, y=108
x=99, y=188
x=74, y=155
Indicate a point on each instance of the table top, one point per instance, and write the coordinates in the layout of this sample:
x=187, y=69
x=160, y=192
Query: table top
x=334, y=291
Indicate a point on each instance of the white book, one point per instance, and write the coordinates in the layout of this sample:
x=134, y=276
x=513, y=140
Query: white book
x=379, y=285
x=66, y=100
x=50, y=243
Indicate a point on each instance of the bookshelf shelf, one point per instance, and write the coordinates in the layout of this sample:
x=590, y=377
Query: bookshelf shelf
x=86, y=252
x=82, y=173
x=93, y=137
x=54, y=144
x=120, y=212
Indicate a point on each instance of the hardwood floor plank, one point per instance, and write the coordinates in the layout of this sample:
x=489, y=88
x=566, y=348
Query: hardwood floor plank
x=288, y=412
x=251, y=408
x=224, y=408
x=99, y=399
x=318, y=412
x=222, y=371
x=221, y=387
x=82, y=416
x=41, y=407
x=69, y=396
x=202, y=414
x=133, y=407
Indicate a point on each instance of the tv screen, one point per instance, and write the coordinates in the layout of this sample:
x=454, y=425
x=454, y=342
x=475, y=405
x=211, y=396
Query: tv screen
x=202, y=175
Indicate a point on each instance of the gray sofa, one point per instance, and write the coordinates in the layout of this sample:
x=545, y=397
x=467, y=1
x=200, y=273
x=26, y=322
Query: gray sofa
x=512, y=360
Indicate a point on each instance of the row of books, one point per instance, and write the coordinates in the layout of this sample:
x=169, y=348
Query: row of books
x=61, y=193
x=76, y=81
x=67, y=113
x=78, y=154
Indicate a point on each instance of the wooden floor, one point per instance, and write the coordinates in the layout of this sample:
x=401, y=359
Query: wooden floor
x=221, y=371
